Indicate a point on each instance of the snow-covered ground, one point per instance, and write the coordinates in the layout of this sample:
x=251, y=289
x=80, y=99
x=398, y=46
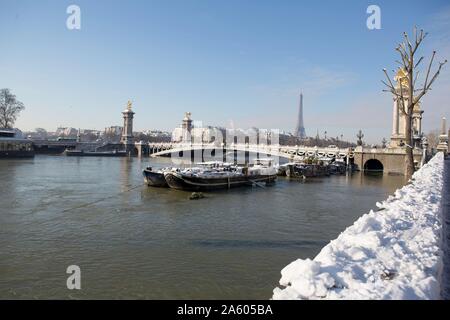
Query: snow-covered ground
x=393, y=253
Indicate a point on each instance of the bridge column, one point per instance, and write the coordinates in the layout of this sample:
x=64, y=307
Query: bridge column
x=395, y=118
x=139, y=149
x=127, y=133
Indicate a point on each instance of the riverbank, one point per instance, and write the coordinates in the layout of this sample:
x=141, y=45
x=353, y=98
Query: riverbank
x=394, y=253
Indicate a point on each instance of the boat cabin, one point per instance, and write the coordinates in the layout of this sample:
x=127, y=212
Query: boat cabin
x=12, y=146
x=266, y=162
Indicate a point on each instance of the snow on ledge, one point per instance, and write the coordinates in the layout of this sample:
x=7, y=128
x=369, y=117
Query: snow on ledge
x=393, y=253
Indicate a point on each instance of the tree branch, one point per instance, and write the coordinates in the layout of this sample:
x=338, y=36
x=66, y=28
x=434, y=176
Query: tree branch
x=427, y=86
x=402, y=99
x=418, y=62
x=389, y=79
x=415, y=78
x=408, y=43
x=429, y=70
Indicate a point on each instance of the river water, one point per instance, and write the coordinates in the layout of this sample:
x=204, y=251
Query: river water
x=132, y=241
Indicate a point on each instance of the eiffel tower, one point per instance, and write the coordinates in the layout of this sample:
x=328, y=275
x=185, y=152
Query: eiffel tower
x=300, y=129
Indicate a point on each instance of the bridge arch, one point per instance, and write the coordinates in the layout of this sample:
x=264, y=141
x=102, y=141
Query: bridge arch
x=373, y=165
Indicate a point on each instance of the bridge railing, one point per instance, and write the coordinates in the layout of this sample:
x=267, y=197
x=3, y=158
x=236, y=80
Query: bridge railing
x=276, y=149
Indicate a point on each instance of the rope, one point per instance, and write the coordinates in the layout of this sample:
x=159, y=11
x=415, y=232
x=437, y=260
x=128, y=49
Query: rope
x=102, y=199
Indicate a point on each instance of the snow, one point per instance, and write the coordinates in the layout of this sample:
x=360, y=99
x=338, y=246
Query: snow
x=393, y=253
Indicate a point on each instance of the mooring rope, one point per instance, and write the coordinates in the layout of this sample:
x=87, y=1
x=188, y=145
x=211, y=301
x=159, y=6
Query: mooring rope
x=101, y=199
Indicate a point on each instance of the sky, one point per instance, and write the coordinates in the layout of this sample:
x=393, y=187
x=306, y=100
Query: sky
x=234, y=63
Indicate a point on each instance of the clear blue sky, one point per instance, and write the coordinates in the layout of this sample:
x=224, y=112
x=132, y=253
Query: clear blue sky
x=233, y=62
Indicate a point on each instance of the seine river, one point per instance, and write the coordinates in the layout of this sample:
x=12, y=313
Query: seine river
x=132, y=241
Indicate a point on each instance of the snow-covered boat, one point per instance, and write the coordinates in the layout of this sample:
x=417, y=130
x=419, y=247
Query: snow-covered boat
x=338, y=167
x=298, y=170
x=225, y=178
x=155, y=178
x=282, y=168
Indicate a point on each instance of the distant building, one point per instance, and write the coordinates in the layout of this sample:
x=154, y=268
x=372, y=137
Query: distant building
x=113, y=131
x=187, y=132
x=89, y=132
x=183, y=132
x=66, y=132
x=154, y=136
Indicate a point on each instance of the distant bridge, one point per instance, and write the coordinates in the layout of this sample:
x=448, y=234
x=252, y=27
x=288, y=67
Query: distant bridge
x=286, y=152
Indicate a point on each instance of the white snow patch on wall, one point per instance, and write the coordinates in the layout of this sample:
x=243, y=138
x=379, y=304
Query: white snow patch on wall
x=394, y=253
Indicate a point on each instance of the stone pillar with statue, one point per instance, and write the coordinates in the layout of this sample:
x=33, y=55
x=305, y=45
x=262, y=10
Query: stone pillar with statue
x=186, y=127
x=127, y=134
x=443, y=138
x=399, y=115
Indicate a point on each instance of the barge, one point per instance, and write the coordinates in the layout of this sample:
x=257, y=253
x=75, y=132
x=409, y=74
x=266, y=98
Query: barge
x=81, y=153
x=14, y=146
x=226, y=178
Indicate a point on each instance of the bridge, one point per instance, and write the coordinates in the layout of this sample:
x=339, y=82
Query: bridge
x=286, y=152
x=386, y=160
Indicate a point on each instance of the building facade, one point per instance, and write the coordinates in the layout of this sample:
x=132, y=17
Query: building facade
x=188, y=132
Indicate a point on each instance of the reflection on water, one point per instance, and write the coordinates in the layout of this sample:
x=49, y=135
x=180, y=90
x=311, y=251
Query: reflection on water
x=132, y=241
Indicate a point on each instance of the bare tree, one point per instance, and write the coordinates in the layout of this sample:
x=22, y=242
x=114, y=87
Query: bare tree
x=111, y=136
x=433, y=138
x=408, y=93
x=10, y=108
x=360, y=135
x=41, y=132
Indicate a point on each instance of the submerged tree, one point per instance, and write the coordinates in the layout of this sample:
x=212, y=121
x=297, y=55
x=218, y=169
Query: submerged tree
x=407, y=86
x=360, y=135
x=10, y=108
